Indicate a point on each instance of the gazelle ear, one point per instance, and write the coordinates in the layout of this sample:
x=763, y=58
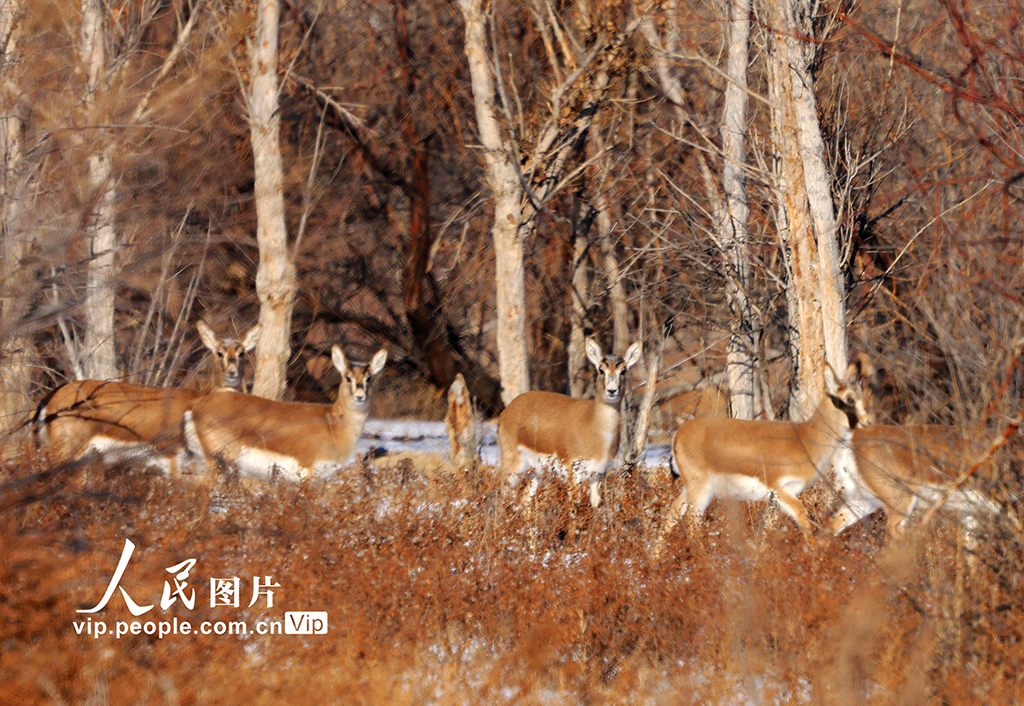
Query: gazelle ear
x=865, y=369
x=633, y=354
x=208, y=337
x=458, y=393
x=378, y=360
x=852, y=373
x=594, y=354
x=249, y=342
x=338, y=358
x=832, y=381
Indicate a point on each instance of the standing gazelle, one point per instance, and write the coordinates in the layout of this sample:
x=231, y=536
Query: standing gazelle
x=120, y=421
x=753, y=460
x=230, y=353
x=300, y=440
x=581, y=435
x=901, y=468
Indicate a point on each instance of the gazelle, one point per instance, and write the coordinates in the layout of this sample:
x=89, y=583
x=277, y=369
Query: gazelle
x=230, y=353
x=462, y=423
x=582, y=436
x=753, y=460
x=120, y=421
x=902, y=468
x=300, y=440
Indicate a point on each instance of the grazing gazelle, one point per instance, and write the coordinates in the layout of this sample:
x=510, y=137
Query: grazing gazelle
x=753, y=460
x=902, y=468
x=120, y=421
x=230, y=353
x=300, y=440
x=579, y=437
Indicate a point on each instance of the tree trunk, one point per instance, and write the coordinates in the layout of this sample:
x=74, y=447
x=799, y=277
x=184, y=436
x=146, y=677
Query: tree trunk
x=579, y=305
x=275, y=276
x=613, y=273
x=636, y=451
x=806, y=224
x=817, y=182
x=99, y=353
x=16, y=350
x=503, y=177
x=741, y=354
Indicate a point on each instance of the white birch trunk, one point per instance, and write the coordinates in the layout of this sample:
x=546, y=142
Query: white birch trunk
x=817, y=183
x=741, y=354
x=99, y=352
x=807, y=226
x=275, y=275
x=508, y=194
x=16, y=350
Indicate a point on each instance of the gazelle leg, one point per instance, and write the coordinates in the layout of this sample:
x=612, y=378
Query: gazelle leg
x=675, y=512
x=843, y=519
x=595, y=492
x=792, y=506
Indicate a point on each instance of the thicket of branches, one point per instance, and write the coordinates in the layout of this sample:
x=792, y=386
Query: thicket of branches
x=388, y=208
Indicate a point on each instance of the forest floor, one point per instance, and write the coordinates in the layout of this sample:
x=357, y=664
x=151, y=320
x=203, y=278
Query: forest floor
x=438, y=592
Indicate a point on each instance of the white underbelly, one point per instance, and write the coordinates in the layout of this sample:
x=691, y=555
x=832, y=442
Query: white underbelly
x=262, y=464
x=119, y=451
x=581, y=470
x=736, y=486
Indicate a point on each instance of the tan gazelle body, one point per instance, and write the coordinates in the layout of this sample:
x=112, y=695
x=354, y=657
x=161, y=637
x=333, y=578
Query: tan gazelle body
x=120, y=421
x=578, y=437
x=296, y=440
x=905, y=468
x=755, y=460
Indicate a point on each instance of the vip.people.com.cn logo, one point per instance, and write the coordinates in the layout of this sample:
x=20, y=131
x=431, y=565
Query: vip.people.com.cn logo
x=223, y=592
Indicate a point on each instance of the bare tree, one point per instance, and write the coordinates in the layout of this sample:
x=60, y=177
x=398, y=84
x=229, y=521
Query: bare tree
x=729, y=214
x=503, y=176
x=524, y=181
x=275, y=276
x=742, y=352
x=99, y=357
x=804, y=211
x=16, y=351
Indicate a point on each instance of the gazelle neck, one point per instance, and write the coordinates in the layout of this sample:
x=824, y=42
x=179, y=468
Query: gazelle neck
x=831, y=419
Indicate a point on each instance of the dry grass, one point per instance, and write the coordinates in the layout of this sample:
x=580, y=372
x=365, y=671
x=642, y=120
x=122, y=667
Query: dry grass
x=435, y=597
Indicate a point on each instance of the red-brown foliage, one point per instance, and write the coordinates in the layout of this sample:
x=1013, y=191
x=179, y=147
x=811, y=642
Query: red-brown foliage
x=435, y=596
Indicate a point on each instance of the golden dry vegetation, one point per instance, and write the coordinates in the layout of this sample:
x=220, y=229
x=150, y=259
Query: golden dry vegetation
x=435, y=596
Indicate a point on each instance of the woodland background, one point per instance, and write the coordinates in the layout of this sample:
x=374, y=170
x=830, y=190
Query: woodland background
x=661, y=175
x=130, y=204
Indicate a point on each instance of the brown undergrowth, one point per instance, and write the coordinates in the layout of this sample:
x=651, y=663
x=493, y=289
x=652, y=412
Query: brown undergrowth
x=434, y=595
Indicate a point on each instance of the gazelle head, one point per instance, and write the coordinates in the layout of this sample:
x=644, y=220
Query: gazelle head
x=847, y=394
x=356, y=378
x=611, y=369
x=229, y=352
